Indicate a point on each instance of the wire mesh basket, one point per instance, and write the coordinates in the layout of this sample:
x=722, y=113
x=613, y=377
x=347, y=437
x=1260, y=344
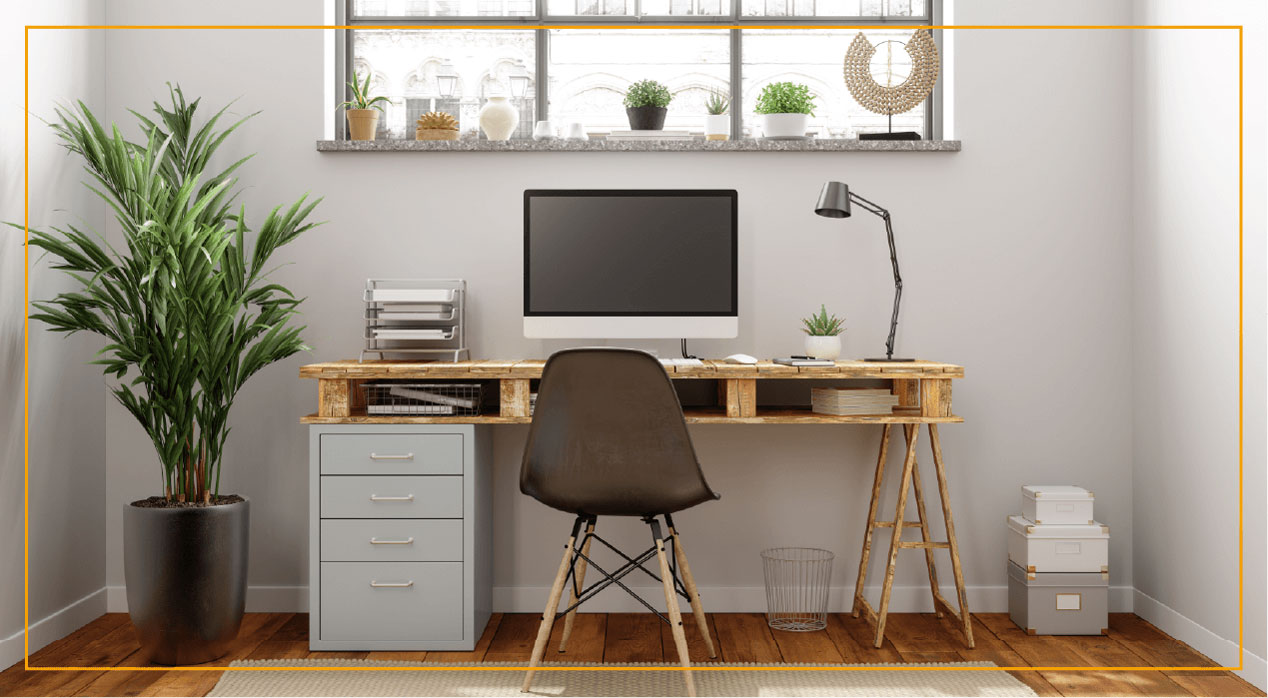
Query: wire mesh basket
x=797, y=582
x=440, y=399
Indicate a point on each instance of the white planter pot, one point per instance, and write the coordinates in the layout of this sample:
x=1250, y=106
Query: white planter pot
x=784, y=125
x=498, y=119
x=823, y=347
x=717, y=127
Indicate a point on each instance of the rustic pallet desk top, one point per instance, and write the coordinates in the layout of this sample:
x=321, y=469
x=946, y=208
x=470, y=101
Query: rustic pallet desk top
x=924, y=389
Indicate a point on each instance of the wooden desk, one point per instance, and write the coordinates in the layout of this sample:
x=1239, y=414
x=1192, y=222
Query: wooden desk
x=923, y=388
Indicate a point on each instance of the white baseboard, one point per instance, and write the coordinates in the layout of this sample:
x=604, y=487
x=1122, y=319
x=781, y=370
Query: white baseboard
x=52, y=627
x=1218, y=649
x=260, y=599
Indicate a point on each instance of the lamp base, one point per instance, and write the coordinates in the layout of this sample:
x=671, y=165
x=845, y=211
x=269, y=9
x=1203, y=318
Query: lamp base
x=881, y=358
x=890, y=136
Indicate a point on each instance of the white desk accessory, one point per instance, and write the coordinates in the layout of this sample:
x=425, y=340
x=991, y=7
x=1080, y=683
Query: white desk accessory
x=741, y=359
x=415, y=316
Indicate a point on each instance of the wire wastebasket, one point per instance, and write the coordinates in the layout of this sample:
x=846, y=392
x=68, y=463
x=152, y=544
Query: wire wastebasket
x=797, y=582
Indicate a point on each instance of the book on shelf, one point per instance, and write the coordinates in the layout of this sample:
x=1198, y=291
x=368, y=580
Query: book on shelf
x=432, y=397
x=410, y=409
x=852, y=401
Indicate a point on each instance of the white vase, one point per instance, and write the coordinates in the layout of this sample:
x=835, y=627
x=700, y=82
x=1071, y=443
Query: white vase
x=498, y=119
x=717, y=127
x=823, y=347
x=784, y=125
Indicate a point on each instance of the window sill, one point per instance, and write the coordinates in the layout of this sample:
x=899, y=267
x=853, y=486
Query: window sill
x=747, y=145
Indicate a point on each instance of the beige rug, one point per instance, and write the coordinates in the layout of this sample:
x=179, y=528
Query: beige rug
x=620, y=682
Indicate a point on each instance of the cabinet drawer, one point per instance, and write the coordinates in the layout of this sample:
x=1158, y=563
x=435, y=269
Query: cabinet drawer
x=391, y=540
x=391, y=601
x=391, y=454
x=391, y=497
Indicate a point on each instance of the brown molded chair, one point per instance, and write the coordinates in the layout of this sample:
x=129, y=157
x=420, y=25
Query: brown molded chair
x=608, y=439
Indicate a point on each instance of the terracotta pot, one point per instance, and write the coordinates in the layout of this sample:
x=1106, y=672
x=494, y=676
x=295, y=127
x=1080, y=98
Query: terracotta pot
x=435, y=134
x=363, y=124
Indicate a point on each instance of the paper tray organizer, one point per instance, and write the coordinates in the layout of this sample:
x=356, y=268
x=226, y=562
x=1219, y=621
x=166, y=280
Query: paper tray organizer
x=408, y=317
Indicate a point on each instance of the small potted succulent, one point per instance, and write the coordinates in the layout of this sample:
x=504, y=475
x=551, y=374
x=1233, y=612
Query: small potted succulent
x=436, y=126
x=362, y=110
x=717, y=125
x=823, y=334
x=646, y=104
x=785, y=108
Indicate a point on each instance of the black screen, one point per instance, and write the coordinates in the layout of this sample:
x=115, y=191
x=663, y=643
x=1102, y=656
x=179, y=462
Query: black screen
x=630, y=253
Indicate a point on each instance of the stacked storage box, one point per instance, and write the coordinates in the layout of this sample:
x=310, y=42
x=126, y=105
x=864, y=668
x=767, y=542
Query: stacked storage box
x=1058, y=563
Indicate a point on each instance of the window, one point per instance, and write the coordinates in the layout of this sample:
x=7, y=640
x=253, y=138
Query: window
x=584, y=71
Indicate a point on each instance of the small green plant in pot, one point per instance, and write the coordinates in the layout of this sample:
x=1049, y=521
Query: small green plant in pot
x=362, y=111
x=646, y=104
x=823, y=334
x=785, y=109
x=189, y=314
x=717, y=125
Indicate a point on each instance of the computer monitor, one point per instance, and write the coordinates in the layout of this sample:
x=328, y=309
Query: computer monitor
x=630, y=264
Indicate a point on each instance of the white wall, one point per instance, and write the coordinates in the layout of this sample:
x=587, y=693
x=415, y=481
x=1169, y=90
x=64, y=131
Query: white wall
x=1185, y=327
x=67, y=428
x=1014, y=255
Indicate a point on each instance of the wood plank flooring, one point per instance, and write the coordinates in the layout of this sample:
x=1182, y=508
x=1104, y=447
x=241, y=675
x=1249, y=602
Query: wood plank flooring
x=640, y=637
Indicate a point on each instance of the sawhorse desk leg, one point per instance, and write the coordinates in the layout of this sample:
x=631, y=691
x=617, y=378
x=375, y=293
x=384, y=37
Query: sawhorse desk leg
x=911, y=479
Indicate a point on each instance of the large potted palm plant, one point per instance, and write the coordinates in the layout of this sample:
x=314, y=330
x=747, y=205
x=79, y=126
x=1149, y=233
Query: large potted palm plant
x=188, y=315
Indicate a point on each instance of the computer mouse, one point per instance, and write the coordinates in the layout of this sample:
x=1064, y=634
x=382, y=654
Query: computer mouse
x=740, y=359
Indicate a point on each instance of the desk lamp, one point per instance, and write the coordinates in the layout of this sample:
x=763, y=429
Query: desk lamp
x=834, y=202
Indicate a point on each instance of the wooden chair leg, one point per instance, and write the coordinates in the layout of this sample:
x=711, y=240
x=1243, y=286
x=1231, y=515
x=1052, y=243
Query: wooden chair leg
x=908, y=465
x=965, y=617
x=925, y=535
x=552, y=605
x=675, y=615
x=688, y=581
x=871, y=519
x=578, y=584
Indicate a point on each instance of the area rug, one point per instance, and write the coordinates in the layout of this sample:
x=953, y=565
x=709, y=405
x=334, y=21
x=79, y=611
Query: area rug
x=623, y=680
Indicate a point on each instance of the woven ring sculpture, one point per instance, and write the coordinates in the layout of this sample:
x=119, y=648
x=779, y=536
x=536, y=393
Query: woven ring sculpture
x=898, y=98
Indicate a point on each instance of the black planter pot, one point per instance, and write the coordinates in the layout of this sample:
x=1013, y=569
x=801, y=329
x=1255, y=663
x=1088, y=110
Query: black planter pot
x=646, y=118
x=186, y=575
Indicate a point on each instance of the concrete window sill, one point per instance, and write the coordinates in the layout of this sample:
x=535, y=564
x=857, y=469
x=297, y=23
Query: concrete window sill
x=748, y=145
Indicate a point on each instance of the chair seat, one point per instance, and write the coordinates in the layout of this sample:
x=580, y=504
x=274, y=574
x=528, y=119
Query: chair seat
x=652, y=500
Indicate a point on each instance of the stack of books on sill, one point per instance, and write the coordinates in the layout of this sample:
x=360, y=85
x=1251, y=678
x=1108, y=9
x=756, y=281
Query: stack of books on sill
x=650, y=136
x=852, y=401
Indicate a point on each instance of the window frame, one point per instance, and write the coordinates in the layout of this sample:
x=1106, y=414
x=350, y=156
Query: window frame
x=542, y=22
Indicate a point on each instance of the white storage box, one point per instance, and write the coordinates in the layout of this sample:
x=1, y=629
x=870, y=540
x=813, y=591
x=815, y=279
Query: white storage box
x=1056, y=548
x=1057, y=504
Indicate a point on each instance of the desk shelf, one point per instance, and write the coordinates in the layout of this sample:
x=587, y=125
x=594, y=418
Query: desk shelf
x=694, y=415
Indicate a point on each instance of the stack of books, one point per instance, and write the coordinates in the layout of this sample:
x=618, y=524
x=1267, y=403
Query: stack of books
x=852, y=401
x=650, y=136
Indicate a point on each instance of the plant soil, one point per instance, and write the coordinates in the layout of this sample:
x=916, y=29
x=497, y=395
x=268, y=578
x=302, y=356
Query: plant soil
x=162, y=503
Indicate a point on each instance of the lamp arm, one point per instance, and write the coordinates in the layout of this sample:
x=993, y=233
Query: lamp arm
x=893, y=260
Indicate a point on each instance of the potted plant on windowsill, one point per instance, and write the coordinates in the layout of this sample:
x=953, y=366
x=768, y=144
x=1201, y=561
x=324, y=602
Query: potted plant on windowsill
x=717, y=125
x=189, y=315
x=785, y=109
x=823, y=334
x=362, y=111
x=646, y=104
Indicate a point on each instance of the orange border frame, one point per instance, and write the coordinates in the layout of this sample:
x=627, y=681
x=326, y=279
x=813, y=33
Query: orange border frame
x=1241, y=149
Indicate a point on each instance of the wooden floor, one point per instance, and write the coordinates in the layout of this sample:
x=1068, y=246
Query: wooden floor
x=619, y=637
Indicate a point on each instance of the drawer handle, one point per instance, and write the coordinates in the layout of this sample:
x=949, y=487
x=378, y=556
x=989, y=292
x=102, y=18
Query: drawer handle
x=377, y=498
x=391, y=585
x=392, y=456
x=407, y=541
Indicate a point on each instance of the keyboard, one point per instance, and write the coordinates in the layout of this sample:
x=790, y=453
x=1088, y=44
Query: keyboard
x=681, y=362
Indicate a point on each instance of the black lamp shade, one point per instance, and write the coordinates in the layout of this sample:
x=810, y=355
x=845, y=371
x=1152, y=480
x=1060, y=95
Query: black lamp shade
x=834, y=201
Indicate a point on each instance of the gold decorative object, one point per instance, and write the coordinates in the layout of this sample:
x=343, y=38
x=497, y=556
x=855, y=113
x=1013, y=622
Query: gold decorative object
x=436, y=126
x=895, y=99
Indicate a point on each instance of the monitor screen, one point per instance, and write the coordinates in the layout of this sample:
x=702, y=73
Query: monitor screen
x=630, y=253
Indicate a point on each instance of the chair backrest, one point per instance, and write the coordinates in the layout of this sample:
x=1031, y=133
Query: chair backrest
x=608, y=437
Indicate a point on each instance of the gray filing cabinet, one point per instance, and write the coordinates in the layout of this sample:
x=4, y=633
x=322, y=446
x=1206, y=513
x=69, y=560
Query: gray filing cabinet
x=400, y=536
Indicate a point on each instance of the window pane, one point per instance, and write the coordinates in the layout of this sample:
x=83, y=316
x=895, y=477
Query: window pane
x=441, y=8
x=591, y=69
x=647, y=8
x=815, y=58
x=449, y=70
x=872, y=9
x=589, y=7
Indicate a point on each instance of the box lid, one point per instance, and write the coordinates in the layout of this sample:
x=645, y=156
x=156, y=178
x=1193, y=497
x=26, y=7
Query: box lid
x=1057, y=579
x=1030, y=529
x=1064, y=493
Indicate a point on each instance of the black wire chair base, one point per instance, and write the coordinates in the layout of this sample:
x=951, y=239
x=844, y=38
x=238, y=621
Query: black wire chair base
x=631, y=564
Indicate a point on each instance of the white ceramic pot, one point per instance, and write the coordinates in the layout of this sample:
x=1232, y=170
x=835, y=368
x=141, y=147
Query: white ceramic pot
x=498, y=119
x=717, y=127
x=784, y=125
x=823, y=347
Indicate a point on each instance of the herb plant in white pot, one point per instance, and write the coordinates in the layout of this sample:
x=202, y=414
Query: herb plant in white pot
x=785, y=109
x=823, y=334
x=717, y=125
